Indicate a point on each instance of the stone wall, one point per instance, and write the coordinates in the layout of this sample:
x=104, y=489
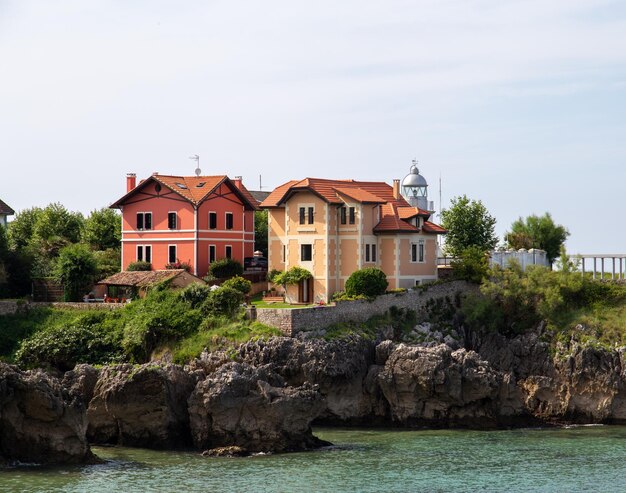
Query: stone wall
x=9, y=307
x=292, y=321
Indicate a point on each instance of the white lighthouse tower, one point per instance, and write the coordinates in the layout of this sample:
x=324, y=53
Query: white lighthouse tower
x=415, y=189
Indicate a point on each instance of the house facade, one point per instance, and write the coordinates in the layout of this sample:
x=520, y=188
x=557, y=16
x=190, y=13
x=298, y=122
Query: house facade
x=189, y=219
x=335, y=227
x=5, y=212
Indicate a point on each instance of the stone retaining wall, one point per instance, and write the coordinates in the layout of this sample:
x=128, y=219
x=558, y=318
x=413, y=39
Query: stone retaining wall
x=10, y=307
x=292, y=321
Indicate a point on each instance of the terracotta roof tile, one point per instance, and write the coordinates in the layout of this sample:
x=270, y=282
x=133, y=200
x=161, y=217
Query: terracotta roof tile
x=409, y=212
x=5, y=209
x=391, y=222
x=193, y=188
x=433, y=228
x=274, y=198
x=360, y=195
x=140, y=278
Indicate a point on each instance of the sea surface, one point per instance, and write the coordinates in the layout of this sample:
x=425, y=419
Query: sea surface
x=548, y=460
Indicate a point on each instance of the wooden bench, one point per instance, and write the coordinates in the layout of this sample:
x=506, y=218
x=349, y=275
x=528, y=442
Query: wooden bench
x=274, y=299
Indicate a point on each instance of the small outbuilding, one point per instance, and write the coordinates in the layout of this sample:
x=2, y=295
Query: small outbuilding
x=128, y=285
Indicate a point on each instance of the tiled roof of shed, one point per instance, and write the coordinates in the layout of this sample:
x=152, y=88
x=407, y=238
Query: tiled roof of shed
x=141, y=278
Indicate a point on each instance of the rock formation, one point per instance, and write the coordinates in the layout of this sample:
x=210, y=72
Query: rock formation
x=250, y=407
x=40, y=422
x=141, y=406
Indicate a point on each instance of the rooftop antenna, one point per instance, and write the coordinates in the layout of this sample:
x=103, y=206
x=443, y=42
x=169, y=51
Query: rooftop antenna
x=196, y=158
x=260, y=186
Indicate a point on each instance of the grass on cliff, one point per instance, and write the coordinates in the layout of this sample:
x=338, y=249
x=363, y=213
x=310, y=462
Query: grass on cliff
x=574, y=307
x=61, y=338
x=398, y=321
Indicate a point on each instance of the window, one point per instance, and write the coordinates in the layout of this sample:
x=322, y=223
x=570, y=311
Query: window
x=212, y=220
x=284, y=254
x=144, y=220
x=228, y=251
x=370, y=252
x=310, y=215
x=306, y=252
x=212, y=254
x=342, y=215
x=417, y=251
x=229, y=221
x=302, y=213
x=144, y=253
x=171, y=254
x=172, y=220
x=352, y=215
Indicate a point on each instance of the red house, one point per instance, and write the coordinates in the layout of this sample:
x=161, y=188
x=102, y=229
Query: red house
x=193, y=219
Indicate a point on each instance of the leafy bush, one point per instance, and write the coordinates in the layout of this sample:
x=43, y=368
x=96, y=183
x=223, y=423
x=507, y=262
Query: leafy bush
x=179, y=265
x=368, y=282
x=62, y=347
x=195, y=294
x=238, y=283
x=159, y=318
x=471, y=265
x=76, y=269
x=225, y=268
x=293, y=276
x=343, y=296
x=140, y=265
x=223, y=301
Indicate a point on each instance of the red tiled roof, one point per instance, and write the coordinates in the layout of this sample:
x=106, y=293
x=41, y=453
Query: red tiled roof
x=193, y=188
x=391, y=222
x=360, y=195
x=5, y=210
x=433, y=228
x=409, y=212
x=395, y=211
x=327, y=190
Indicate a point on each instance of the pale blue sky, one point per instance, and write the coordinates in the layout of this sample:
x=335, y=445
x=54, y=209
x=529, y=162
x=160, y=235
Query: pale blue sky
x=521, y=104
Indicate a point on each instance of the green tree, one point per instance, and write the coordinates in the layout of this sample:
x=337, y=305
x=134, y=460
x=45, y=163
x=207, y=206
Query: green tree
x=76, y=269
x=260, y=231
x=103, y=229
x=56, y=227
x=22, y=228
x=469, y=224
x=538, y=232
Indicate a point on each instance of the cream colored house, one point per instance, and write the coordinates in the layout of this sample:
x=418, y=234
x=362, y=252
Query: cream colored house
x=335, y=227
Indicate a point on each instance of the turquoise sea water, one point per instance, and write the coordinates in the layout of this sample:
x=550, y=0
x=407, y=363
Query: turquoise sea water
x=547, y=460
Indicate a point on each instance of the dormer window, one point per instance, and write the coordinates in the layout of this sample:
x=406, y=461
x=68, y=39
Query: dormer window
x=201, y=184
x=182, y=186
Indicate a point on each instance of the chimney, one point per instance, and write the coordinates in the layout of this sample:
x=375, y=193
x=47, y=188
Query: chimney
x=396, y=189
x=237, y=182
x=131, y=181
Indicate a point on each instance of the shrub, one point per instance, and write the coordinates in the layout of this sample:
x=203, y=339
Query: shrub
x=179, y=265
x=140, y=265
x=225, y=268
x=76, y=269
x=342, y=296
x=471, y=265
x=195, y=294
x=368, y=282
x=223, y=301
x=62, y=347
x=238, y=283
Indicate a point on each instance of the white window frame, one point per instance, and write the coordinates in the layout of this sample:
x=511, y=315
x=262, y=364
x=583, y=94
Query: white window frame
x=169, y=260
x=143, y=253
x=144, y=213
x=214, y=247
x=168, y=220
x=226, y=214
x=209, y=218
x=420, y=252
